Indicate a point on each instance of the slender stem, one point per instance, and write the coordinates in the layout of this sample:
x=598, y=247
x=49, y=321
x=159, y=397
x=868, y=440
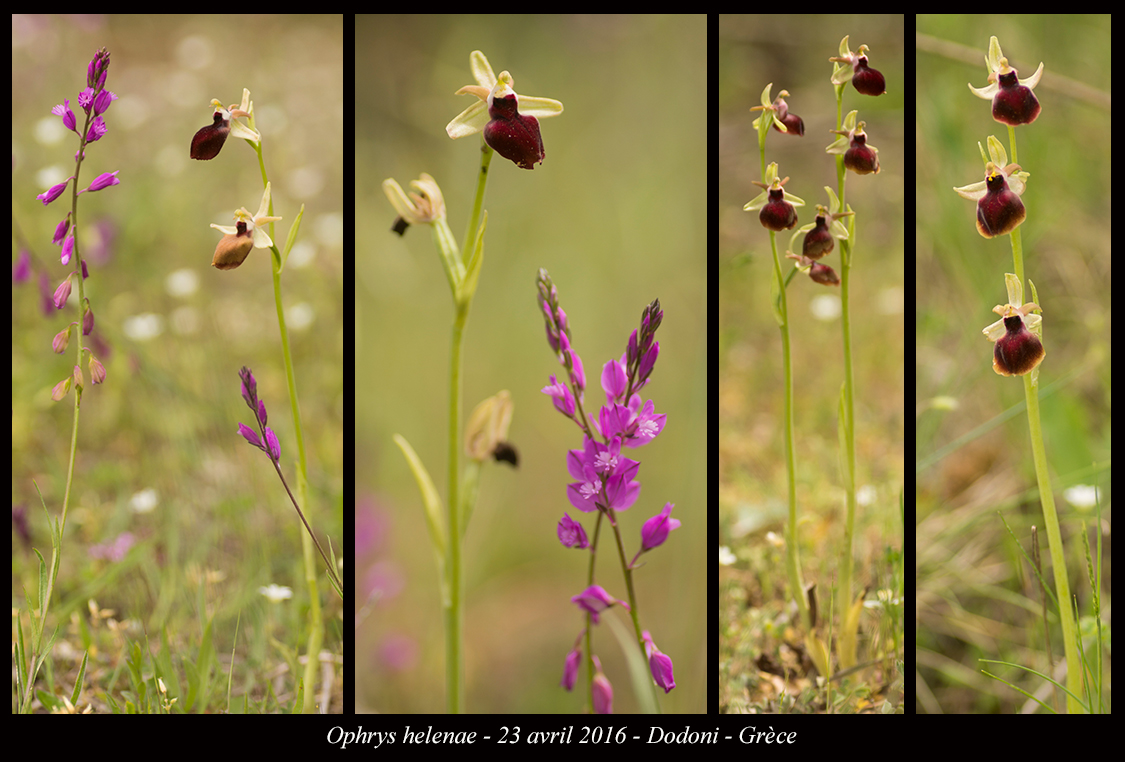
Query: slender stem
x=846, y=644
x=454, y=603
x=478, y=203
x=56, y=547
x=316, y=626
x=1054, y=541
x=589, y=634
x=1047, y=500
x=793, y=554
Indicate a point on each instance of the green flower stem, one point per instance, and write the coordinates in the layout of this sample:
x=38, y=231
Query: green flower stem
x=453, y=603
x=39, y=620
x=793, y=552
x=1054, y=540
x=454, y=684
x=478, y=203
x=793, y=555
x=634, y=610
x=1047, y=499
x=316, y=621
x=844, y=593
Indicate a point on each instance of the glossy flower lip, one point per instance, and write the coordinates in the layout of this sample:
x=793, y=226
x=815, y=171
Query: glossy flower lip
x=859, y=156
x=513, y=135
x=776, y=203
x=820, y=273
x=209, y=140
x=1013, y=102
x=1017, y=334
x=868, y=81
x=854, y=67
x=1018, y=351
x=999, y=209
x=819, y=234
x=778, y=114
x=474, y=119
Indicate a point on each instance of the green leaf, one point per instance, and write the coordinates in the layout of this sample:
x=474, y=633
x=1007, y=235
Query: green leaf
x=430, y=500
x=292, y=237
x=472, y=275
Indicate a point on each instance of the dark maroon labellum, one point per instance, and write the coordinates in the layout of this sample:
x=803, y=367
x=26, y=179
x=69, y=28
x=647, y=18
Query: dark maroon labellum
x=1018, y=351
x=1015, y=103
x=209, y=141
x=793, y=125
x=778, y=214
x=818, y=241
x=512, y=135
x=860, y=158
x=867, y=80
x=400, y=226
x=1000, y=211
x=824, y=275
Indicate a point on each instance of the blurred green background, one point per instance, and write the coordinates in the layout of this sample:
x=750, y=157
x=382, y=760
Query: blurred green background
x=966, y=561
x=617, y=214
x=176, y=329
x=793, y=54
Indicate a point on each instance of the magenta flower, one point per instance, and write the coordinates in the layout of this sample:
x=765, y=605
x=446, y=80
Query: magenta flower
x=570, y=671
x=605, y=478
x=571, y=533
x=603, y=691
x=53, y=192
x=103, y=181
x=655, y=530
x=594, y=600
x=659, y=664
